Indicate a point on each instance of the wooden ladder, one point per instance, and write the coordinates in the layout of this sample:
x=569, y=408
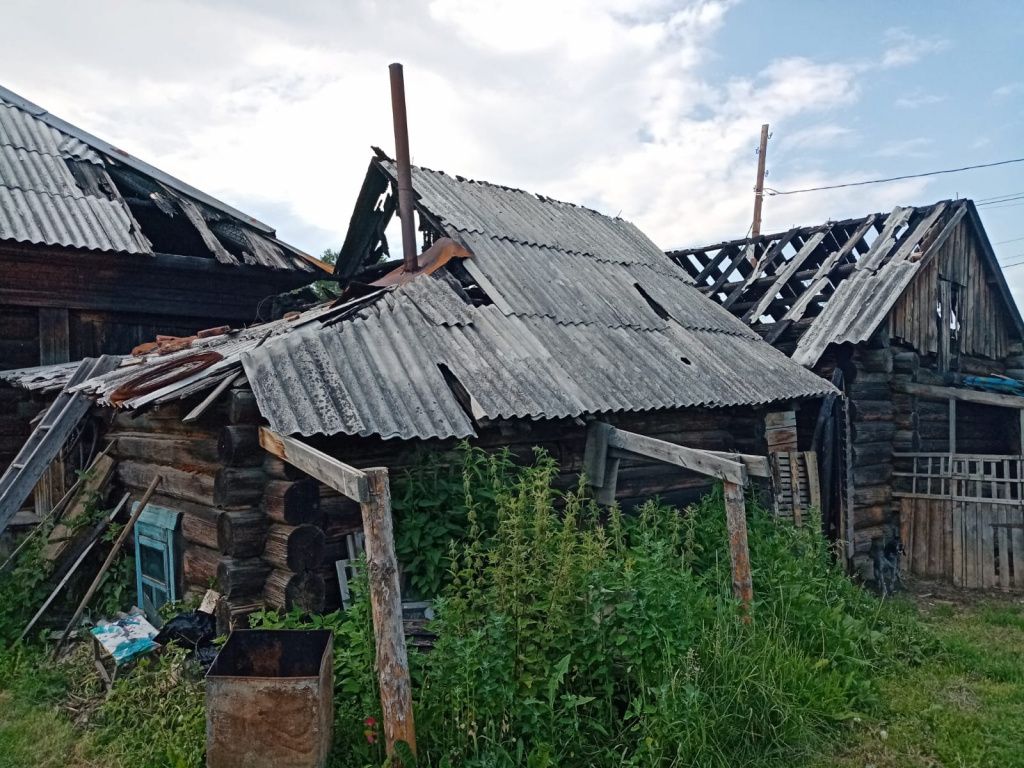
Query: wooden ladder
x=49, y=436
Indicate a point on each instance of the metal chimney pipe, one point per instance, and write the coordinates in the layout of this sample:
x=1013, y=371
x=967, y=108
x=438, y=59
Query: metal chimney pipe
x=405, y=201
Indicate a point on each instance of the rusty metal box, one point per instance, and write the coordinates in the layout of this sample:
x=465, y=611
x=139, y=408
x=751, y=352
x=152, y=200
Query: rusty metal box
x=269, y=700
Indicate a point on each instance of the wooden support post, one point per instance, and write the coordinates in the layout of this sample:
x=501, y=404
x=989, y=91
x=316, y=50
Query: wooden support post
x=386, y=600
x=739, y=551
x=952, y=427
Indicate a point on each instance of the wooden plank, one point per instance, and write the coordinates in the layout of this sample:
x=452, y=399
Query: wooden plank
x=783, y=277
x=794, y=471
x=961, y=395
x=813, y=483
x=958, y=542
x=606, y=493
x=348, y=480
x=936, y=530
x=1002, y=535
x=1017, y=547
x=922, y=538
x=988, y=542
x=972, y=549
x=688, y=458
x=54, y=336
x=907, y=533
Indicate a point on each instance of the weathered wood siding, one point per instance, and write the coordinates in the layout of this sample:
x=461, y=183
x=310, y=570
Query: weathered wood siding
x=985, y=329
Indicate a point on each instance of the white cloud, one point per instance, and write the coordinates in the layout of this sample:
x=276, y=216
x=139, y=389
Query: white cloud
x=273, y=108
x=917, y=147
x=918, y=99
x=1009, y=89
x=903, y=47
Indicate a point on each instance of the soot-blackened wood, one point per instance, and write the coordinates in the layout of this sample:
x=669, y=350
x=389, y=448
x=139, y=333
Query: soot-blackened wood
x=237, y=578
x=293, y=502
x=242, y=407
x=238, y=486
x=386, y=604
x=294, y=547
x=239, y=446
x=277, y=469
x=199, y=566
x=285, y=590
x=242, y=533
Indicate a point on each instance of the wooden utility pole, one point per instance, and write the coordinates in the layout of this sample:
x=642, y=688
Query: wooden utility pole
x=755, y=230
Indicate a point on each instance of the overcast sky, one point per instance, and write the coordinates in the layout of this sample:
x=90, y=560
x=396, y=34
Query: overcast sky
x=649, y=109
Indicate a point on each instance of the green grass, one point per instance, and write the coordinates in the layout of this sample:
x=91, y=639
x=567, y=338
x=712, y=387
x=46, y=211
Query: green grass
x=962, y=707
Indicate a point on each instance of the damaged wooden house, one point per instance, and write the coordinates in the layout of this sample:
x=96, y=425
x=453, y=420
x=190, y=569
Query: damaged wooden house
x=910, y=315
x=100, y=252
x=521, y=321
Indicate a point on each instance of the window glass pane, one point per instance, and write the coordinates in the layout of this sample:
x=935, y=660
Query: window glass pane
x=151, y=561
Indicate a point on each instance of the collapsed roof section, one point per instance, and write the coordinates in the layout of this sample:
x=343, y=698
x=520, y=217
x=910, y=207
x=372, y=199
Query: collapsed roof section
x=810, y=287
x=61, y=186
x=555, y=312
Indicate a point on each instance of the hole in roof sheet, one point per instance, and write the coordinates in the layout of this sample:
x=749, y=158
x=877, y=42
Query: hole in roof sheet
x=659, y=310
x=685, y=359
x=459, y=392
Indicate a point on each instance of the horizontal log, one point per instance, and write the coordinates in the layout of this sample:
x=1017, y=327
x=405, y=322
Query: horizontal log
x=294, y=547
x=868, y=517
x=293, y=502
x=872, y=495
x=199, y=566
x=276, y=469
x=873, y=431
x=906, y=362
x=873, y=474
x=242, y=533
x=191, y=452
x=873, y=410
x=150, y=422
x=284, y=590
x=873, y=360
x=870, y=389
x=201, y=530
x=239, y=446
x=241, y=577
x=237, y=486
x=228, y=487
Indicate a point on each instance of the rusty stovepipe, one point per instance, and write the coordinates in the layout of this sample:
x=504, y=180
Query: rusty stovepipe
x=405, y=200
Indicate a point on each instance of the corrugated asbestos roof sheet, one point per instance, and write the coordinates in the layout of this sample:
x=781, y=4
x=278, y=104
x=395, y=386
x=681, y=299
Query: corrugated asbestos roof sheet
x=584, y=315
x=383, y=373
x=43, y=202
x=811, y=287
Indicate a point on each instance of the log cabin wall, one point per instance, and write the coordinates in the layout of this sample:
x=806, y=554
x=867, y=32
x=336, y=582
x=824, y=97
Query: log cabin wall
x=60, y=304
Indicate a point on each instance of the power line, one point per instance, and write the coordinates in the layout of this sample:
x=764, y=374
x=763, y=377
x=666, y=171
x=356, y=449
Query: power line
x=1012, y=240
x=997, y=198
x=774, y=192
x=1002, y=200
x=1008, y=205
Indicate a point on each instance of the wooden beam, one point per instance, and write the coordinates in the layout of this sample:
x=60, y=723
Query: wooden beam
x=343, y=478
x=54, y=336
x=595, y=452
x=961, y=395
x=739, y=550
x=693, y=459
x=386, y=603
